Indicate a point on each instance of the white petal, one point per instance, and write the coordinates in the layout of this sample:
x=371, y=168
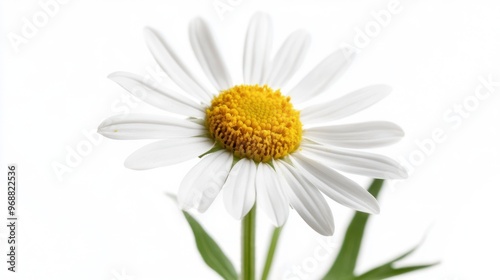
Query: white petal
x=208, y=54
x=131, y=127
x=356, y=135
x=239, y=189
x=335, y=185
x=174, y=67
x=322, y=76
x=162, y=98
x=270, y=196
x=288, y=58
x=362, y=163
x=257, y=48
x=203, y=182
x=167, y=152
x=344, y=106
x=306, y=199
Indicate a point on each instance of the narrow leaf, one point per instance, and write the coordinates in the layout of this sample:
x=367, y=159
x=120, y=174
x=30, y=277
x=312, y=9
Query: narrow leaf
x=381, y=274
x=345, y=263
x=210, y=251
x=270, y=252
x=388, y=270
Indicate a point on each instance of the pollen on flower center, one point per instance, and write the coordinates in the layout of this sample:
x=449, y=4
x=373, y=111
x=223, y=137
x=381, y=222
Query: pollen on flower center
x=255, y=122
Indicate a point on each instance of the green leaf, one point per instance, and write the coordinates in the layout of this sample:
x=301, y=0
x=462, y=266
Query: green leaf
x=210, y=251
x=388, y=270
x=270, y=252
x=384, y=273
x=345, y=263
x=208, y=248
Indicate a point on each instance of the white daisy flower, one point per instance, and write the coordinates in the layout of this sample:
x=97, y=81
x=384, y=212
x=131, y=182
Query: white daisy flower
x=254, y=145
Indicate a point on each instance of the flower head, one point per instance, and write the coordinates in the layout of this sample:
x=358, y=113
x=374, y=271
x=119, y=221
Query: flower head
x=254, y=122
x=255, y=144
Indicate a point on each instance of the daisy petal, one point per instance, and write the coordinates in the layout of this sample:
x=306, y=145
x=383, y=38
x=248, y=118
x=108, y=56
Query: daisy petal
x=173, y=66
x=344, y=106
x=208, y=54
x=322, y=76
x=356, y=135
x=270, y=196
x=288, y=58
x=306, y=199
x=362, y=163
x=161, y=98
x=239, y=189
x=203, y=182
x=168, y=152
x=131, y=127
x=257, y=45
x=336, y=186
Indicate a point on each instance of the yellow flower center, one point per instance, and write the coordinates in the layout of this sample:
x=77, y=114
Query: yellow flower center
x=255, y=122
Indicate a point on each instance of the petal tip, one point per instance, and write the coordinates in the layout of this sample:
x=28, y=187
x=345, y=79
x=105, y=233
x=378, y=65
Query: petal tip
x=328, y=231
x=196, y=22
x=116, y=75
x=404, y=174
x=375, y=209
x=100, y=129
x=149, y=34
x=130, y=163
x=147, y=30
x=400, y=174
x=260, y=15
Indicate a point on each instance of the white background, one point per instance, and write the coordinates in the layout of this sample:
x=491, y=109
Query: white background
x=103, y=221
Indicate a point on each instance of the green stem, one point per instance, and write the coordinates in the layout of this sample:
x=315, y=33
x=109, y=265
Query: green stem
x=270, y=252
x=248, y=246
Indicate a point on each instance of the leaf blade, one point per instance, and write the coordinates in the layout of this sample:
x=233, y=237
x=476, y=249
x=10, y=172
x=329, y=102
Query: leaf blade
x=388, y=270
x=345, y=263
x=211, y=253
x=384, y=274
